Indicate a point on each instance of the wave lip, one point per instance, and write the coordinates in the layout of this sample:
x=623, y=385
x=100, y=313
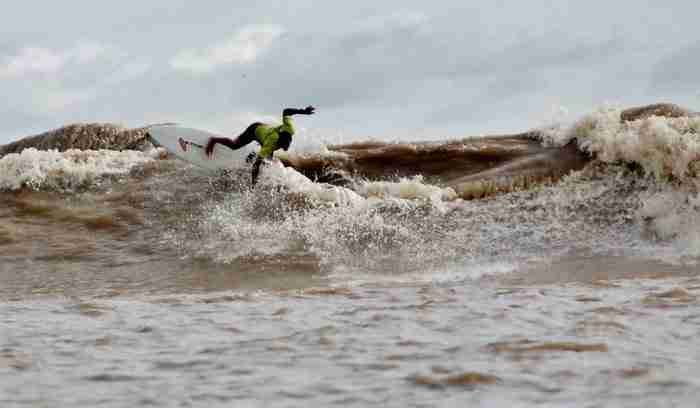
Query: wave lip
x=82, y=136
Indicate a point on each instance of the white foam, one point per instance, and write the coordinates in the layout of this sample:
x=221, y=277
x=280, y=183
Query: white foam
x=407, y=189
x=364, y=193
x=664, y=147
x=667, y=149
x=276, y=173
x=673, y=216
x=341, y=225
x=51, y=169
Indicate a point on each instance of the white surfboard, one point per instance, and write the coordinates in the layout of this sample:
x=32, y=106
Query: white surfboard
x=188, y=144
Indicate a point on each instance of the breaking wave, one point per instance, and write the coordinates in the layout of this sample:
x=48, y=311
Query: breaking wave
x=667, y=152
x=663, y=147
x=612, y=183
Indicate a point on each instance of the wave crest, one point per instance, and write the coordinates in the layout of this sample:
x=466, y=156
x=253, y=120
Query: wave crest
x=82, y=136
x=665, y=147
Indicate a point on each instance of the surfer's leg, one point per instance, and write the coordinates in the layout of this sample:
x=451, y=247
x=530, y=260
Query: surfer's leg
x=244, y=138
x=256, y=169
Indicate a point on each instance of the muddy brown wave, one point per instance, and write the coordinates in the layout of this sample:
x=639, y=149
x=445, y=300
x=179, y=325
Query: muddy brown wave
x=474, y=166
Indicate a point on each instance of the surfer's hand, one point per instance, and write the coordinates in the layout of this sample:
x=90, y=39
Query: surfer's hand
x=309, y=110
x=209, y=149
x=250, y=157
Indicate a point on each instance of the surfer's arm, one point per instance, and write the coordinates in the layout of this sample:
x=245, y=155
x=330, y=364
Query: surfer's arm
x=287, y=124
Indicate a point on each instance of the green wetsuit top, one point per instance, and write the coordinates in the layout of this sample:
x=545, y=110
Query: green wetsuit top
x=268, y=136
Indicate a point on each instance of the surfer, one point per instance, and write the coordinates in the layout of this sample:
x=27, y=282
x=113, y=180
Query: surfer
x=270, y=138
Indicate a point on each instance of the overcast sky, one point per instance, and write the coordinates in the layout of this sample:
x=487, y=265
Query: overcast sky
x=396, y=69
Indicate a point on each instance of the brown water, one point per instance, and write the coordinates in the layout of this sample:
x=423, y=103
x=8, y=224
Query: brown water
x=159, y=286
x=137, y=293
x=616, y=343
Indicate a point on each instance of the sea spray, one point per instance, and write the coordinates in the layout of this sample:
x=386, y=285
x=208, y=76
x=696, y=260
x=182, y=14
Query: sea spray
x=667, y=149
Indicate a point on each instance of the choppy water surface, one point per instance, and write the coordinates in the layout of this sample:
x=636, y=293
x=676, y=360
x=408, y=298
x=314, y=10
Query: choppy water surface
x=131, y=280
x=630, y=343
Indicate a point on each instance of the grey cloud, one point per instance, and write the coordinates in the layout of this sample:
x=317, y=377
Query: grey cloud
x=679, y=72
x=369, y=66
x=360, y=65
x=343, y=69
x=495, y=90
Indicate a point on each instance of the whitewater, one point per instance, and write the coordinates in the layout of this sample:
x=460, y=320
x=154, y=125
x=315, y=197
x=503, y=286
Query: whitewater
x=558, y=267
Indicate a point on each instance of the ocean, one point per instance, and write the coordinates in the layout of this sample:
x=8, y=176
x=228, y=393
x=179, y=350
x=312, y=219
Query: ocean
x=556, y=270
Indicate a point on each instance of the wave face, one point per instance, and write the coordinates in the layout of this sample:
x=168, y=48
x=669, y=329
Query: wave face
x=472, y=167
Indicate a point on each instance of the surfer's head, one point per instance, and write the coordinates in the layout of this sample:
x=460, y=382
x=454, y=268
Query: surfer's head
x=285, y=140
